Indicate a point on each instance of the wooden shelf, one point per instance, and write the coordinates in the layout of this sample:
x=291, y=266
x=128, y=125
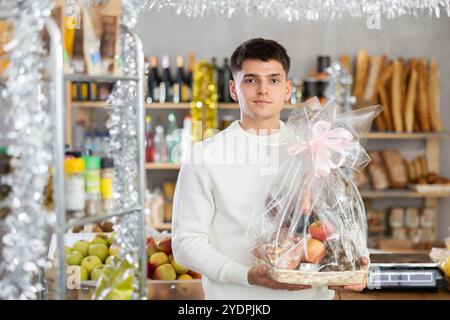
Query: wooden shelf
x=162, y=106
x=162, y=166
x=372, y=194
x=163, y=226
x=90, y=104
x=401, y=136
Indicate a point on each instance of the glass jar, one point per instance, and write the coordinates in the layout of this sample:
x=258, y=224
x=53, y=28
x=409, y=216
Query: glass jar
x=75, y=187
x=92, y=185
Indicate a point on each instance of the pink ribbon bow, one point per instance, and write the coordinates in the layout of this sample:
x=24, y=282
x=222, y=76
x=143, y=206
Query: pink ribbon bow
x=322, y=143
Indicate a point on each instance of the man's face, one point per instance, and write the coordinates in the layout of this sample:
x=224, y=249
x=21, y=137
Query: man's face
x=261, y=88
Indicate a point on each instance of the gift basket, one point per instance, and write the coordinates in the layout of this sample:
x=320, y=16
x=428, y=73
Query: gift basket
x=312, y=228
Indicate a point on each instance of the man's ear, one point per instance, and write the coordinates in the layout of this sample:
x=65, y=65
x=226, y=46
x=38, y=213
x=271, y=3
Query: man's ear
x=288, y=90
x=233, y=92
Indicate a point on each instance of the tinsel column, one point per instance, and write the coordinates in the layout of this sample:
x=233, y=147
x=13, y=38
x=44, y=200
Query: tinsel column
x=119, y=279
x=30, y=138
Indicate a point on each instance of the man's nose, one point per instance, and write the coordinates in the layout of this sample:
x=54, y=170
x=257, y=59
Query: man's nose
x=263, y=89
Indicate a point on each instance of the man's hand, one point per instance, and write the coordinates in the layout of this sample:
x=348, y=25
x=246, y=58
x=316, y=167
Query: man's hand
x=259, y=276
x=356, y=287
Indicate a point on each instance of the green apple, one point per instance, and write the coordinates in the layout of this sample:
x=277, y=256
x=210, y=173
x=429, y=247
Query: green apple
x=83, y=274
x=179, y=269
x=90, y=262
x=114, y=250
x=74, y=258
x=110, y=259
x=184, y=277
x=100, y=238
x=99, y=250
x=68, y=250
x=97, y=272
x=165, y=272
x=82, y=246
x=111, y=239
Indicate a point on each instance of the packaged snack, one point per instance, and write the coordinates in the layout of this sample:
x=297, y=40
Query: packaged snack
x=312, y=228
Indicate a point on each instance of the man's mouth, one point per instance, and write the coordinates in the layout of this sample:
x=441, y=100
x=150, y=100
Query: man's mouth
x=262, y=102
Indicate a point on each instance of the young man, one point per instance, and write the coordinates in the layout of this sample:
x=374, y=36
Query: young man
x=217, y=191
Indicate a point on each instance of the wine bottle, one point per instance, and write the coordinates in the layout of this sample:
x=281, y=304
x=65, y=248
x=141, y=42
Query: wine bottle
x=153, y=81
x=165, y=85
x=180, y=88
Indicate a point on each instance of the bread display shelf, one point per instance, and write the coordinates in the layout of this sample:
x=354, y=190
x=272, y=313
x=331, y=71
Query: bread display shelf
x=408, y=193
x=432, y=188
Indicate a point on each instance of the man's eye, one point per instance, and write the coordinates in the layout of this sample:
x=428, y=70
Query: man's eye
x=275, y=80
x=250, y=81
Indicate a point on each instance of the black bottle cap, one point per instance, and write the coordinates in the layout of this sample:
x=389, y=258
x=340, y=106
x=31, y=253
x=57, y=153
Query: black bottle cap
x=107, y=163
x=323, y=62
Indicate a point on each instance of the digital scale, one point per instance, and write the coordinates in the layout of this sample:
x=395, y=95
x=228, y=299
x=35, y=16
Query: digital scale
x=404, y=271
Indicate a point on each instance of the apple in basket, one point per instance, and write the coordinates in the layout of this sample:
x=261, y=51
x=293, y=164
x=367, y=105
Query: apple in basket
x=315, y=251
x=320, y=230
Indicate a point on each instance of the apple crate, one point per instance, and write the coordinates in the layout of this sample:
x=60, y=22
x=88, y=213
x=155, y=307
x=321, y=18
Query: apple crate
x=175, y=290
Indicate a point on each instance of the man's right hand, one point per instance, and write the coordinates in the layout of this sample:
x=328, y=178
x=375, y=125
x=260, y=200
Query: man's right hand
x=259, y=276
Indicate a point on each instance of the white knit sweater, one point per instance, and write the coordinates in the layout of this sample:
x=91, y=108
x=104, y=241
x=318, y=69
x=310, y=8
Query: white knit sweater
x=214, y=199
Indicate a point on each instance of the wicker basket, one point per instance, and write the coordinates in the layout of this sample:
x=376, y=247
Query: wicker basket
x=326, y=278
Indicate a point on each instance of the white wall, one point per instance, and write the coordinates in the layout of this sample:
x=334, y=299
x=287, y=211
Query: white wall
x=165, y=32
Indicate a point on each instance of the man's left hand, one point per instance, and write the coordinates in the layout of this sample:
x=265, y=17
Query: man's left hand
x=355, y=287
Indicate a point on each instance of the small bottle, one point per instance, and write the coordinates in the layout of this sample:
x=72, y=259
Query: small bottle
x=160, y=145
x=165, y=86
x=149, y=140
x=153, y=81
x=92, y=185
x=106, y=185
x=88, y=145
x=172, y=139
x=74, y=187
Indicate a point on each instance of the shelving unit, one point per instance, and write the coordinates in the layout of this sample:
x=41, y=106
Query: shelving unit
x=62, y=108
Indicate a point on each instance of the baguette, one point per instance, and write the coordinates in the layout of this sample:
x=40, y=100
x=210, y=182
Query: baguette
x=362, y=65
x=412, y=171
x=424, y=114
x=411, y=98
x=374, y=77
x=396, y=95
x=406, y=70
x=383, y=96
x=346, y=63
x=433, y=96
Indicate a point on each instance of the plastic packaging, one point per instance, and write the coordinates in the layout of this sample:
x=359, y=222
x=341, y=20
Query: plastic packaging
x=312, y=228
x=74, y=182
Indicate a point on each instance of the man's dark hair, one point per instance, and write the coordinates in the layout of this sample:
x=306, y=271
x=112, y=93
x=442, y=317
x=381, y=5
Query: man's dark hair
x=260, y=49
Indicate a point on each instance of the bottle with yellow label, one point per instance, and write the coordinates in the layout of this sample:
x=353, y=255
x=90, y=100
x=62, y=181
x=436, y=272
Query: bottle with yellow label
x=106, y=185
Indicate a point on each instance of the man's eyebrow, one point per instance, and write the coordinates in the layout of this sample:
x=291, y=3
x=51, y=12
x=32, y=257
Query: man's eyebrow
x=257, y=76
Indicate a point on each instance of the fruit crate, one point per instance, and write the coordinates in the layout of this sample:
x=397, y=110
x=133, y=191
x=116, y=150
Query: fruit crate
x=175, y=290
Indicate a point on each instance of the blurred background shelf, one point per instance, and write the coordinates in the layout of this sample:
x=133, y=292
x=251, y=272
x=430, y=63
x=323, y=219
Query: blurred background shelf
x=162, y=166
x=372, y=194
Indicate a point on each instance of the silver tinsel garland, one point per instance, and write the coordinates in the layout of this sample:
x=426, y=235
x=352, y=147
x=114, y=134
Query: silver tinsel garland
x=29, y=137
x=123, y=130
x=302, y=9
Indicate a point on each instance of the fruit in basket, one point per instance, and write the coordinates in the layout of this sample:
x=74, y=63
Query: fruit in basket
x=315, y=251
x=151, y=246
x=165, y=272
x=84, y=275
x=90, y=262
x=194, y=275
x=110, y=259
x=156, y=260
x=111, y=239
x=179, y=269
x=97, y=272
x=99, y=250
x=100, y=238
x=184, y=277
x=320, y=230
x=82, y=246
x=74, y=258
x=165, y=245
x=68, y=250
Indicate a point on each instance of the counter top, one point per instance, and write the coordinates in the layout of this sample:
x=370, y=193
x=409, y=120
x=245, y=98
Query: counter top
x=441, y=294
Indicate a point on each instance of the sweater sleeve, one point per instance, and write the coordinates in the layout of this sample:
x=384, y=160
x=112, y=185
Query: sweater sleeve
x=193, y=211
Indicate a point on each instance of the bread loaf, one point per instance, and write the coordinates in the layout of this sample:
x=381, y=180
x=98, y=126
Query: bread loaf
x=411, y=97
x=395, y=165
x=396, y=95
x=433, y=96
x=377, y=172
x=424, y=114
x=362, y=66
